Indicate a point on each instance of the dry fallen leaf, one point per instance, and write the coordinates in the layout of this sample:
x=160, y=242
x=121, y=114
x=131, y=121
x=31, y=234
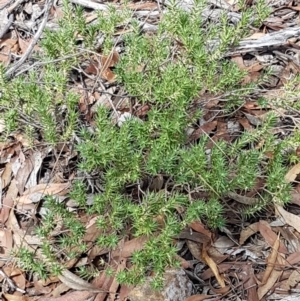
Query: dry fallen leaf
x=6, y=244
x=193, y=236
x=292, y=173
x=73, y=296
x=6, y=47
x=238, y=59
x=251, y=77
x=295, y=198
x=108, y=75
x=271, y=261
x=143, y=110
x=23, y=45
x=124, y=292
x=291, y=219
x=92, y=231
x=16, y=275
x=255, y=36
x=293, y=258
x=261, y=291
x=34, y=194
x=6, y=175
x=248, y=279
x=103, y=67
x=8, y=201
x=245, y=124
x=206, y=128
x=213, y=267
x=41, y=289
x=129, y=247
x=9, y=297
x=200, y=228
x=270, y=236
x=183, y=263
x=247, y=232
x=110, y=61
x=222, y=267
x=19, y=236
x=195, y=249
x=92, y=68
x=271, y=274
x=292, y=281
x=37, y=160
x=75, y=282
x=103, y=281
x=23, y=173
x=242, y=199
x=115, y=285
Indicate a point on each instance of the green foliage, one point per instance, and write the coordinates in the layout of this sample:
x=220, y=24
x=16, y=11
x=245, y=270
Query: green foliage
x=88, y=272
x=140, y=150
x=27, y=261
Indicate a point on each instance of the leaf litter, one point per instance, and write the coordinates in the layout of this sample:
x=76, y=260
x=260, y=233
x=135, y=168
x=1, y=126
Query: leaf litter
x=22, y=183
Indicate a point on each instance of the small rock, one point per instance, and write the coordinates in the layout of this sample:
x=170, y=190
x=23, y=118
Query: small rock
x=177, y=287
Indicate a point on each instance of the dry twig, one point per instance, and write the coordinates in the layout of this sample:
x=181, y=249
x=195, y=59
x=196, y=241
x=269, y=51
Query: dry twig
x=9, y=73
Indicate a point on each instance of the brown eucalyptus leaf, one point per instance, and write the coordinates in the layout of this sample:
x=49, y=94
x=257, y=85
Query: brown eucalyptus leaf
x=292, y=281
x=202, y=130
x=292, y=173
x=110, y=60
x=8, y=201
x=247, y=232
x=124, y=292
x=291, y=219
x=242, y=199
x=6, y=244
x=293, y=258
x=23, y=174
x=10, y=297
x=271, y=261
x=263, y=290
x=195, y=249
x=76, y=283
x=270, y=236
x=72, y=296
x=103, y=281
x=6, y=175
x=34, y=194
x=213, y=267
x=115, y=285
x=200, y=228
x=126, y=249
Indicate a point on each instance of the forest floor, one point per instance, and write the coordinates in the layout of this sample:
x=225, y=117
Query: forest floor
x=150, y=150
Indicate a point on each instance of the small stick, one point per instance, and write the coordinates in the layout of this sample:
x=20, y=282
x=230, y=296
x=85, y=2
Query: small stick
x=6, y=4
x=90, y=4
x=7, y=25
x=15, y=5
x=11, y=283
x=9, y=73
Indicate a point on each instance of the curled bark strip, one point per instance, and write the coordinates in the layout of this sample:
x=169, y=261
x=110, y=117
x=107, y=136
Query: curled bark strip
x=242, y=199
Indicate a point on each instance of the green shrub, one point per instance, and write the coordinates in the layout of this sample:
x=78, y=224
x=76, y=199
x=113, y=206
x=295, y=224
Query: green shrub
x=176, y=64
